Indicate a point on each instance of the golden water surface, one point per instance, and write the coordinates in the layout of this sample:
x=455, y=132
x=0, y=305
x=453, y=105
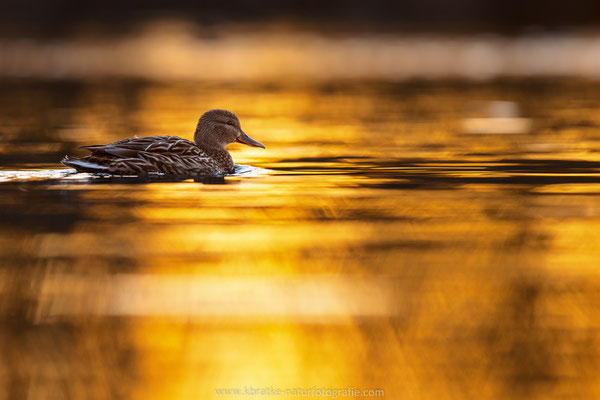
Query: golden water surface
x=427, y=240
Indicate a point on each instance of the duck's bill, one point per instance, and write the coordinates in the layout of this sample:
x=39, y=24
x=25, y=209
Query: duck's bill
x=245, y=139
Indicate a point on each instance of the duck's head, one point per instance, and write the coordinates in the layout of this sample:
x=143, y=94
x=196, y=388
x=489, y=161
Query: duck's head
x=218, y=128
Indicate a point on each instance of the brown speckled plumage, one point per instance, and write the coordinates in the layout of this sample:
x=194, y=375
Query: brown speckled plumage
x=170, y=155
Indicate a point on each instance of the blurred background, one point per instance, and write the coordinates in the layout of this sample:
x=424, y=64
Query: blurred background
x=424, y=221
x=308, y=40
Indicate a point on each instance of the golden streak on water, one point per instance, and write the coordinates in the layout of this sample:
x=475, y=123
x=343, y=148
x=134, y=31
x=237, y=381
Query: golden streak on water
x=308, y=299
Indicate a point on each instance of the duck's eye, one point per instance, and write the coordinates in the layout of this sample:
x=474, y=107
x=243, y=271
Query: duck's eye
x=230, y=123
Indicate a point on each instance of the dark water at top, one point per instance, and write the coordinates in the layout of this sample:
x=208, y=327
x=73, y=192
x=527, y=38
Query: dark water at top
x=434, y=240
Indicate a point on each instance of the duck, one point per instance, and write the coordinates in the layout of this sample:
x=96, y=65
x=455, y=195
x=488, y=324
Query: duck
x=170, y=155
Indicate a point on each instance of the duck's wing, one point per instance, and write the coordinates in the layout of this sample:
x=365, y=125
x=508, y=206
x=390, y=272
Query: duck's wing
x=163, y=154
x=131, y=148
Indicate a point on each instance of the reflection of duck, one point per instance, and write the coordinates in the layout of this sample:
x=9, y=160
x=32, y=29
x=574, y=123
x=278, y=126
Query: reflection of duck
x=170, y=155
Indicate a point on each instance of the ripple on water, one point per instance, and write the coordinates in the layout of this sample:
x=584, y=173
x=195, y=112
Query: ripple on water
x=70, y=174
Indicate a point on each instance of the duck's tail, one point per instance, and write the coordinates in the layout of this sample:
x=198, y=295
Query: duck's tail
x=83, y=166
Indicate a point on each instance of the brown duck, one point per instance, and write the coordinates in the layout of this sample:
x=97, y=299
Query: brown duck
x=170, y=155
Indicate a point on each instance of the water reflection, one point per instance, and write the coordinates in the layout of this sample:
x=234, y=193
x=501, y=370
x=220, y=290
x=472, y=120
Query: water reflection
x=379, y=246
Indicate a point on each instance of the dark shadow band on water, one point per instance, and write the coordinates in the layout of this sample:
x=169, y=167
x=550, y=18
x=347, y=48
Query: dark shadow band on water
x=140, y=180
x=444, y=174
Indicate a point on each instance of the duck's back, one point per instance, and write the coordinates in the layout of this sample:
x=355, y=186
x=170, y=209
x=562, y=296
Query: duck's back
x=170, y=155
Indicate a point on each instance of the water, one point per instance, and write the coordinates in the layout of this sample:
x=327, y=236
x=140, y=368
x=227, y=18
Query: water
x=432, y=240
